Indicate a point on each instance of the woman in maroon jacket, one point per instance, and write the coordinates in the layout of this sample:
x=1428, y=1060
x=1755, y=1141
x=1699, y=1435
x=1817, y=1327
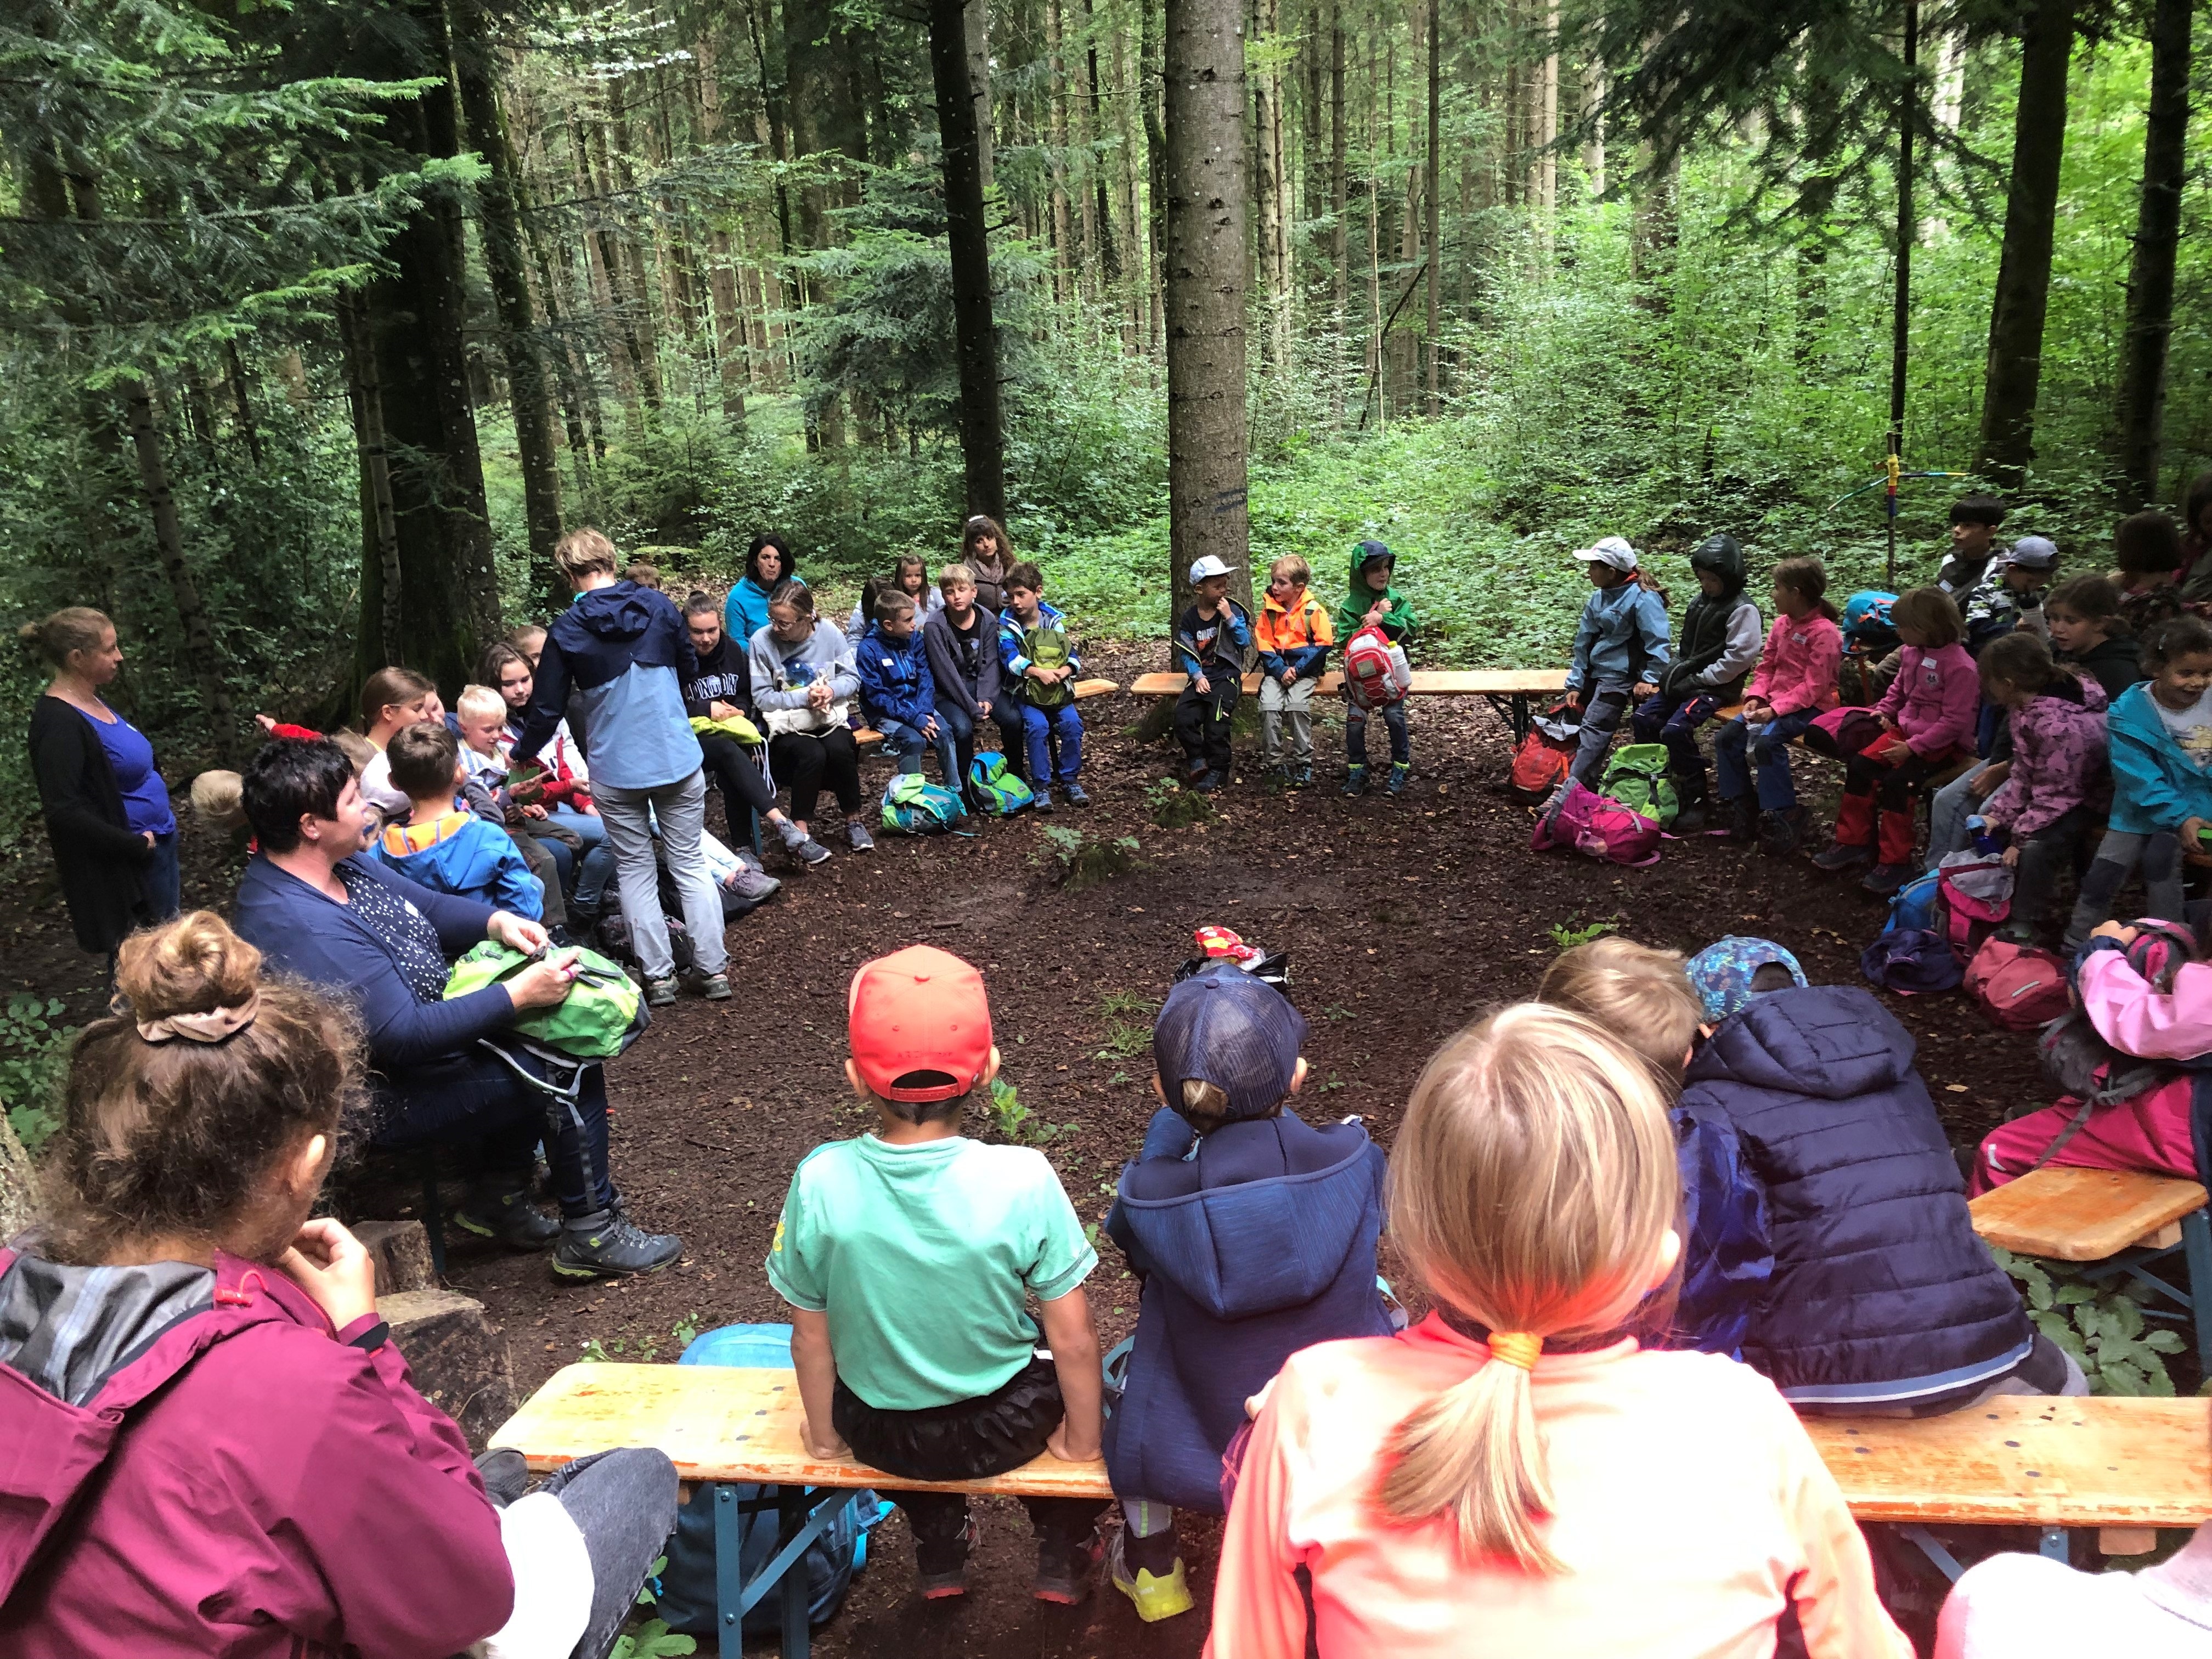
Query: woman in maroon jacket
x=207, y=1444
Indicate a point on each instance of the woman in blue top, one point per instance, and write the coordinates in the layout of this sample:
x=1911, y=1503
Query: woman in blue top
x=107, y=808
x=769, y=562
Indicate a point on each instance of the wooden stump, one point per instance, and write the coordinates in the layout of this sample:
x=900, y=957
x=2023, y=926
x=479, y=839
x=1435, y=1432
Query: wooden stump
x=457, y=1355
x=401, y=1251
x=18, y=1192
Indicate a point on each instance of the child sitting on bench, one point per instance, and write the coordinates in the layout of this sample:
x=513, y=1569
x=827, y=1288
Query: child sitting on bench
x=907, y=1255
x=1515, y=1474
x=439, y=844
x=1794, y=684
x=1620, y=651
x=1254, y=1236
x=1720, y=645
x=2056, y=722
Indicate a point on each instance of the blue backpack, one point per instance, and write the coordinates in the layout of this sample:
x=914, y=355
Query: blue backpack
x=914, y=806
x=997, y=789
x=1917, y=907
x=1913, y=961
x=686, y=1600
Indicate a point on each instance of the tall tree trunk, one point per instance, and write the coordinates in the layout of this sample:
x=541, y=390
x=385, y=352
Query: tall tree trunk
x=635, y=283
x=1101, y=212
x=731, y=355
x=1135, y=240
x=975, y=20
x=1340, y=208
x=1055, y=95
x=1207, y=282
x=1593, y=95
x=234, y=372
x=528, y=396
x=1544, y=164
x=379, y=519
x=2150, y=274
x=1654, y=235
x=1154, y=78
x=975, y=335
x=1435, y=200
x=1271, y=215
x=169, y=547
x=2023, y=291
x=1816, y=197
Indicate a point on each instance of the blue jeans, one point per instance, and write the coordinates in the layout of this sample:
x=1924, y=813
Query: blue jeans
x=1674, y=722
x=1769, y=753
x=1602, y=709
x=160, y=885
x=904, y=741
x=1355, y=733
x=585, y=871
x=1050, y=730
x=955, y=743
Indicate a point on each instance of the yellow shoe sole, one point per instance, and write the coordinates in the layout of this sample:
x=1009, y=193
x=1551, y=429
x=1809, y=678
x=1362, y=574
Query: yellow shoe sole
x=1155, y=1598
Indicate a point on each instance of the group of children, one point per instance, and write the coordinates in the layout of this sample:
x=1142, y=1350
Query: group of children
x=2031, y=711
x=1588, y=1445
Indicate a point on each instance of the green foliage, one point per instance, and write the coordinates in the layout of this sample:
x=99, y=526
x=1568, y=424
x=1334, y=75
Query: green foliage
x=651, y=1640
x=1174, y=807
x=1128, y=1024
x=1015, y=1124
x=2102, y=1326
x=1565, y=935
x=33, y=1057
x=1085, y=859
x=596, y=1352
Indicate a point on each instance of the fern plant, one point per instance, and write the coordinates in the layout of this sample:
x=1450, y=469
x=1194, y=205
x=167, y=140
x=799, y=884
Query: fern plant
x=2101, y=1325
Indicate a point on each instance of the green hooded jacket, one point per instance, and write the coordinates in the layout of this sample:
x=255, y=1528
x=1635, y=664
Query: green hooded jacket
x=1399, y=622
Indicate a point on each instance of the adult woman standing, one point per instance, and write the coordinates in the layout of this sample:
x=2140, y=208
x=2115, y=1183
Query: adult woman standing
x=985, y=551
x=279, y=1486
x=107, y=811
x=803, y=684
x=769, y=564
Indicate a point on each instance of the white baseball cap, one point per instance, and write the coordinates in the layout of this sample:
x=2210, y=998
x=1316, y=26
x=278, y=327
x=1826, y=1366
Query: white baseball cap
x=1208, y=565
x=1609, y=549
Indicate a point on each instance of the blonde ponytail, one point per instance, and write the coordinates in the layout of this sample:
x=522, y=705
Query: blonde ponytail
x=1531, y=1187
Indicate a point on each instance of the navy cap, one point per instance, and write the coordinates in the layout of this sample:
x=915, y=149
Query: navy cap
x=1226, y=1028
x=1374, y=553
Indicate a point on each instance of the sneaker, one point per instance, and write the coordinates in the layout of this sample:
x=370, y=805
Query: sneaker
x=752, y=886
x=660, y=992
x=1064, y=1565
x=508, y=1216
x=1043, y=800
x=1690, y=820
x=1207, y=782
x=808, y=851
x=1743, y=818
x=715, y=988
x=941, y=1569
x=1156, y=1597
x=608, y=1246
x=504, y=1475
x=857, y=833
x=1355, y=779
x=1401, y=774
x=1780, y=832
x=1885, y=879
x=1300, y=775
x=1075, y=794
x=1840, y=857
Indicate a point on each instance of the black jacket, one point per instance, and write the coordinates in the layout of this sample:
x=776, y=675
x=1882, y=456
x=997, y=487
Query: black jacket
x=1881, y=1294
x=1704, y=633
x=99, y=856
x=725, y=675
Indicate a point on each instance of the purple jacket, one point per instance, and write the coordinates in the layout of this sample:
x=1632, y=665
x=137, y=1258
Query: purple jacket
x=2057, y=758
x=249, y=1486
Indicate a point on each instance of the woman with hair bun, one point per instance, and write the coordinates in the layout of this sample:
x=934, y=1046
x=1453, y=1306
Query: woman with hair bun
x=211, y=1447
x=107, y=808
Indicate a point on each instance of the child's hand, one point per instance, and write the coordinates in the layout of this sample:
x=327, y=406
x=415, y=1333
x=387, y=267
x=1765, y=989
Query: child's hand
x=1063, y=1446
x=1375, y=612
x=266, y=722
x=828, y=1450
x=2117, y=930
x=1646, y=689
x=1203, y=686
x=719, y=710
x=1986, y=781
x=929, y=728
x=1575, y=701
x=1290, y=677
x=2011, y=857
x=984, y=710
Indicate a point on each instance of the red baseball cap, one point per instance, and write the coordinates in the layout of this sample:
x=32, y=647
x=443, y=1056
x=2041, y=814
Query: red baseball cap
x=919, y=1009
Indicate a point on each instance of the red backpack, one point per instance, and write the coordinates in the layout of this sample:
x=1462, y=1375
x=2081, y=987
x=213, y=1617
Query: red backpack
x=1376, y=674
x=1976, y=900
x=2018, y=985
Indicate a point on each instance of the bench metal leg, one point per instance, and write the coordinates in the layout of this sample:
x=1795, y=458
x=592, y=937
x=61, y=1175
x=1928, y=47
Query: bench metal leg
x=790, y=1524
x=2052, y=1544
x=1929, y=1545
x=1512, y=709
x=2196, y=1249
x=803, y=1515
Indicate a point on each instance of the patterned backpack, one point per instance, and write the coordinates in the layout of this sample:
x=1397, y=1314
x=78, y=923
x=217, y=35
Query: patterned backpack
x=1637, y=777
x=915, y=806
x=998, y=791
x=1375, y=673
x=1976, y=900
x=1594, y=825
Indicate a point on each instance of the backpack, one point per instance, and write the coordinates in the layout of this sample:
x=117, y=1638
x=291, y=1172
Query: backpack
x=1912, y=961
x=1591, y=823
x=914, y=806
x=1637, y=777
x=1867, y=626
x=686, y=1596
x=1917, y=905
x=1376, y=673
x=998, y=791
x=1977, y=899
x=604, y=1013
x=1540, y=767
x=1046, y=646
x=2079, y=1060
x=2018, y=987
x=1842, y=733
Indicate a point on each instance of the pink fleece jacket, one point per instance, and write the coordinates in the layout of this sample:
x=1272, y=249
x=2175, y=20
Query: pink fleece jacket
x=1690, y=1509
x=1798, y=669
x=2136, y=1020
x=2058, y=759
x=1934, y=700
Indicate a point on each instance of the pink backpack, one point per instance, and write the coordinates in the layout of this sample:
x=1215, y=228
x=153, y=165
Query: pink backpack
x=1376, y=674
x=1975, y=895
x=1596, y=825
x=2018, y=985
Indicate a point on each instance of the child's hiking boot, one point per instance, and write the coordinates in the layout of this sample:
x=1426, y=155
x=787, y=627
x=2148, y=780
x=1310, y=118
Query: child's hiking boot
x=1840, y=856
x=1780, y=833
x=1884, y=879
x=1402, y=773
x=857, y=834
x=1043, y=798
x=1075, y=793
x=1355, y=779
x=504, y=1213
x=1742, y=816
x=660, y=992
x=801, y=846
x=715, y=988
x=1159, y=1592
x=1064, y=1565
x=607, y=1245
x=941, y=1564
x=1301, y=775
x=1690, y=819
x=1207, y=782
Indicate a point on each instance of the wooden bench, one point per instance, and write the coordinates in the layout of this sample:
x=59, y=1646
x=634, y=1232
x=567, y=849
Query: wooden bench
x=2120, y=1465
x=1508, y=689
x=2123, y=1220
x=868, y=737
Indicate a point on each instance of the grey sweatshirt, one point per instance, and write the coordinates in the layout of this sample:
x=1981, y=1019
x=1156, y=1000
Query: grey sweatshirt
x=947, y=656
x=782, y=672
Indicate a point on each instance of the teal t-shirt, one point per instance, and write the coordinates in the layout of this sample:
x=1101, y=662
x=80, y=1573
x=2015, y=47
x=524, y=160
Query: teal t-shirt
x=922, y=1257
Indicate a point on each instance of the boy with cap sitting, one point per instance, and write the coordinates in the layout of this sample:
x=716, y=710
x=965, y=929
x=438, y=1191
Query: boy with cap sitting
x=2010, y=595
x=908, y=1256
x=1254, y=1236
x=1210, y=639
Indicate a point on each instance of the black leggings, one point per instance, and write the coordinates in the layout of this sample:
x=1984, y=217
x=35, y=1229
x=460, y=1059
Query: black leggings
x=731, y=770
x=807, y=760
x=473, y=1100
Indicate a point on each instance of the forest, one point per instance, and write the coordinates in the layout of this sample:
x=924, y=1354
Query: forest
x=322, y=319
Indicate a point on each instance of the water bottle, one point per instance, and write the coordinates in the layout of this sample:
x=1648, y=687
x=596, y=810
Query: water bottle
x=1985, y=839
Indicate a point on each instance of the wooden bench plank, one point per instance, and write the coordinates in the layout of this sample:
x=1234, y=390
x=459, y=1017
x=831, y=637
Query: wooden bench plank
x=1427, y=683
x=727, y=1423
x=2081, y=1215
x=2018, y=1460
x=1094, y=689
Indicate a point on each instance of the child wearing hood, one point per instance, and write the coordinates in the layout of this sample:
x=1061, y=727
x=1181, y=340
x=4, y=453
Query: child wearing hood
x=1722, y=635
x=2047, y=800
x=1374, y=602
x=1255, y=1235
x=1620, y=651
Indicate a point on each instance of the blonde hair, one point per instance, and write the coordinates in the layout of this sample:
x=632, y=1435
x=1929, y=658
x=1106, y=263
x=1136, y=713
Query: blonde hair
x=955, y=575
x=478, y=702
x=1639, y=993
x=585, y=552
x=219, y=799
x=73, y=629
x=358, y=750
x=1531, y=1186
x=1292, y=566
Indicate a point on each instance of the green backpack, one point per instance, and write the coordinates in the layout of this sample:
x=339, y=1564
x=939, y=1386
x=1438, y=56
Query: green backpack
x=999, y=791
x=1636, y=777
x=1046, y=646
x=603, y=1015
x=915, y=806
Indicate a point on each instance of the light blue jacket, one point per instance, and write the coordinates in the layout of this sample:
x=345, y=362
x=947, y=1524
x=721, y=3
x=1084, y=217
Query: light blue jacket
x=1622, y=639
x=2155, y=786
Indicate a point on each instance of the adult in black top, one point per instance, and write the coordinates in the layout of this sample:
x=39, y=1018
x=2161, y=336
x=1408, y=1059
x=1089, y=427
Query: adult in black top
x=115, y=837
x=725, y=689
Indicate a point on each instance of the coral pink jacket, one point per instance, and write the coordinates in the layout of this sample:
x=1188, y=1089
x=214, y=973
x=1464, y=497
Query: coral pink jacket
x=1934, y=699
x=1691, y=1512
x=1797, y=668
